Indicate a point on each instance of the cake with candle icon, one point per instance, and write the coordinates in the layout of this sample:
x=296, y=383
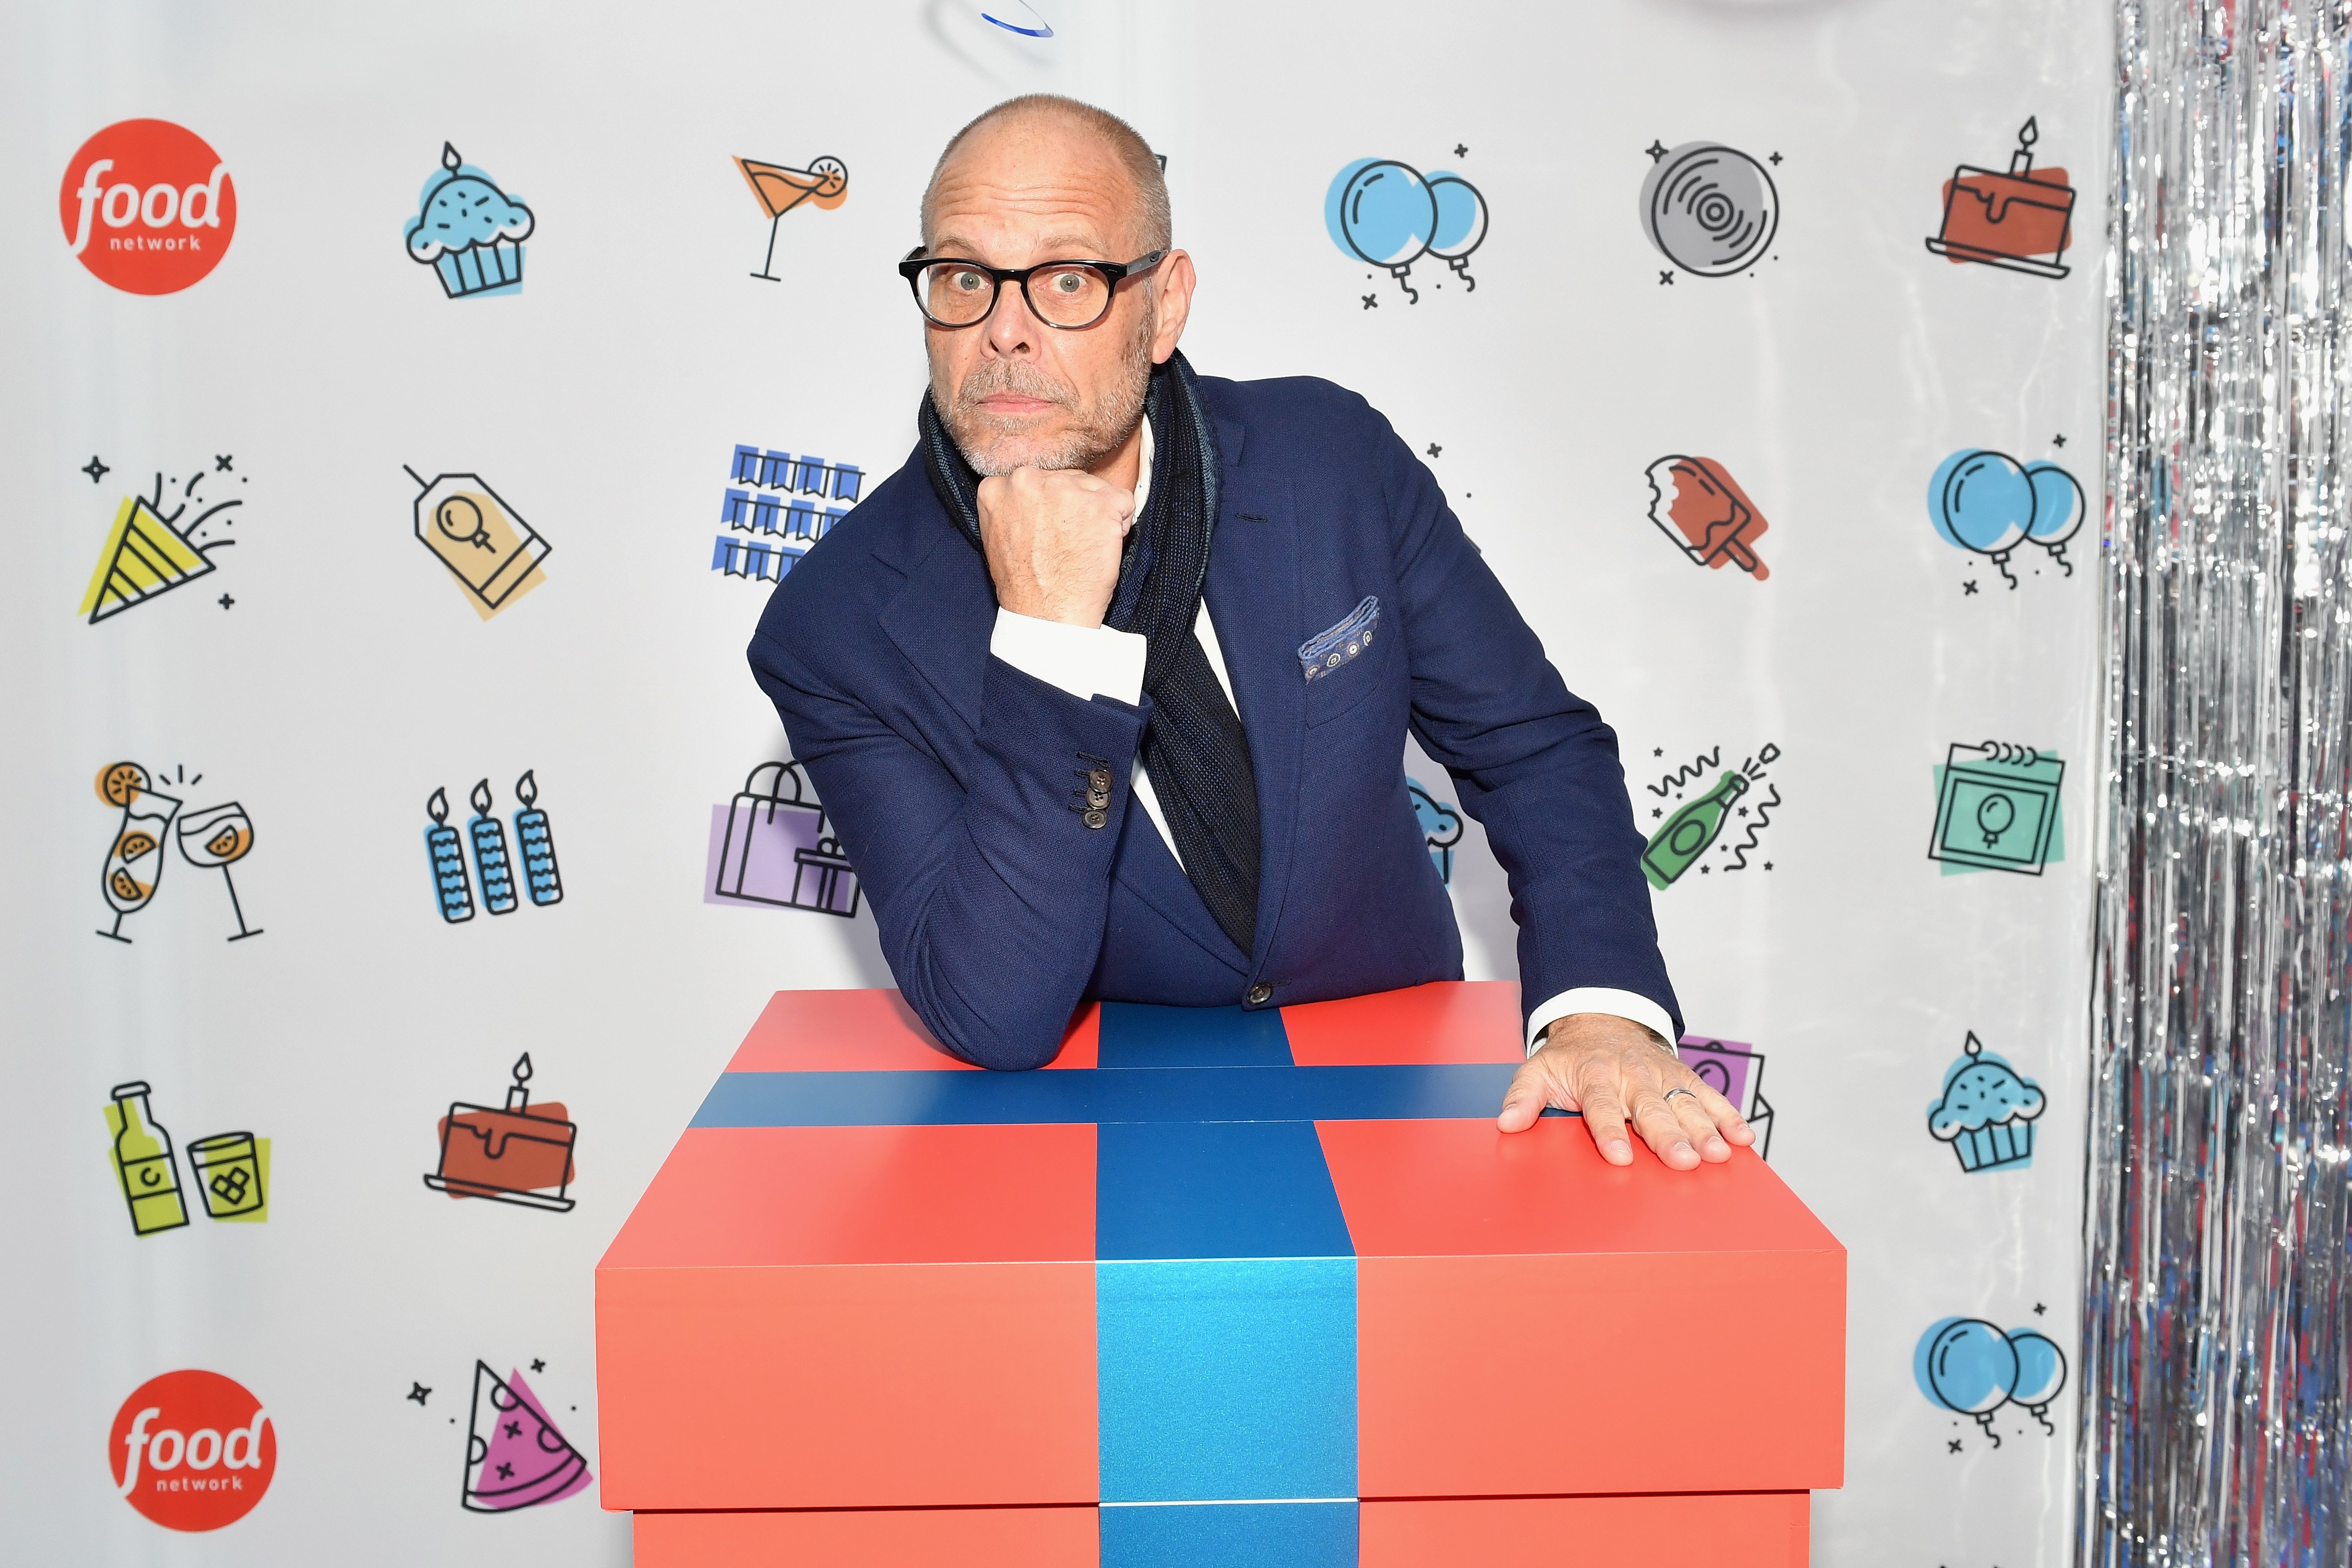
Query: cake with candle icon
x=1987, y=1112
x=515, y=1153
x=2018, y=219
x=468, y=231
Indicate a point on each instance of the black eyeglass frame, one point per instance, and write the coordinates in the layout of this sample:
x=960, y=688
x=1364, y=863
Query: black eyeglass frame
x=1116, y=272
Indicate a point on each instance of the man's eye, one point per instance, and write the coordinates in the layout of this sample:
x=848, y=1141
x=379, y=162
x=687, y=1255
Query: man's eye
x=1068, y=283
x=968, y=282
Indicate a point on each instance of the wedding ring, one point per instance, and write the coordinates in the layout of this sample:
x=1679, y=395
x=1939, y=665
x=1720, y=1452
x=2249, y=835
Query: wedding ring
x=1671, y=1092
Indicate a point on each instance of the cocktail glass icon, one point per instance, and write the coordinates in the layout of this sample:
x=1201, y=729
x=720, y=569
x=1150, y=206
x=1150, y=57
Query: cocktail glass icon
x=484, y=542
x=134, y=862
x=219, y=836
x=779, y=188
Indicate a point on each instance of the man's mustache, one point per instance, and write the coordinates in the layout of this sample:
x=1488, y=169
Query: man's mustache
x=1008, y=375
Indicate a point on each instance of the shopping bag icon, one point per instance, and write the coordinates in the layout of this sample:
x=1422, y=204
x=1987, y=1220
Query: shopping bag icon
x=775, y=850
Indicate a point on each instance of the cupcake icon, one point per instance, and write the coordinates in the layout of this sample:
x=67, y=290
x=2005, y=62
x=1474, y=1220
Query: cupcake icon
x=468, y=231
x=1986, y=1111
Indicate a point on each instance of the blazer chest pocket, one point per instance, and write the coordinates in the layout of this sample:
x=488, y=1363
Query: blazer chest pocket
x=1341, y=665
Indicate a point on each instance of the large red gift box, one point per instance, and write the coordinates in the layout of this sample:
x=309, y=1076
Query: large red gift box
x=1220, y=1285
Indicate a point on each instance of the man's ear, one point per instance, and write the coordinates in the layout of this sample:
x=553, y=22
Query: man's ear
x=1172, y=301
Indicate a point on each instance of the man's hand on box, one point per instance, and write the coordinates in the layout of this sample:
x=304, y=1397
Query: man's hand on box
x=1052, y=538
x=1613, y=1070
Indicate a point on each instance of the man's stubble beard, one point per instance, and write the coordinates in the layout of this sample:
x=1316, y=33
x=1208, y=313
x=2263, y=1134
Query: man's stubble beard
x=998, y=446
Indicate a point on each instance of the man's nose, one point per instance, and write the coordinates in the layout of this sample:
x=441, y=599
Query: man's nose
x=1012, y=327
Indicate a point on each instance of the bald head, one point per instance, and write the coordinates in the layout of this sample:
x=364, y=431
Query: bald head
x=1043, y=144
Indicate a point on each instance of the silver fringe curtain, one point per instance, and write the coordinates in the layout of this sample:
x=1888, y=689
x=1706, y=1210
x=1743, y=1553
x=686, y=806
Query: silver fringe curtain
x=2215, y=1411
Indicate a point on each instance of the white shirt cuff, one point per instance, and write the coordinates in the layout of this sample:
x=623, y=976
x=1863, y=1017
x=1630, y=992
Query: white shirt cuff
x=1628, y=1004
x=1085, y=662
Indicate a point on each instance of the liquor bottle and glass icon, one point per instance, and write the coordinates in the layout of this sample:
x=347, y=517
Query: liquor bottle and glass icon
x=144, y=1163
x=2020, y=220
x=444, y=849
x=231, y=1169
x=511, y=1155
x=1692, y=829
x=214, y=838
x=483, y=541
x=780, y=187
x=1997, y=809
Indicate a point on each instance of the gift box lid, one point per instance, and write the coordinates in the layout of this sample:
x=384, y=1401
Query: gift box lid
x=1212, y=1255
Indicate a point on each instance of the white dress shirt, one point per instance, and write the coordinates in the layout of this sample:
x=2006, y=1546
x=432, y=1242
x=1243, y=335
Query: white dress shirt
x=1090, y=661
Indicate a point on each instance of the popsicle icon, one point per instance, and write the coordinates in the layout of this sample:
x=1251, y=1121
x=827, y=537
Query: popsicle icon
x=1703, y=509
x=484, y=542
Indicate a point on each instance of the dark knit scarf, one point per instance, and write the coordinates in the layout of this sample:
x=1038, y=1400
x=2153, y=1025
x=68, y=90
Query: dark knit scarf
x=1193, y=744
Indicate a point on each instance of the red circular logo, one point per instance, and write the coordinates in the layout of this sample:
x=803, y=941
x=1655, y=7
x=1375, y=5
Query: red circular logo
x=193, y=1450
x=148, y=206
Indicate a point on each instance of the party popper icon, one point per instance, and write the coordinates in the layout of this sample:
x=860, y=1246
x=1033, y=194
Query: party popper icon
x=484, y=542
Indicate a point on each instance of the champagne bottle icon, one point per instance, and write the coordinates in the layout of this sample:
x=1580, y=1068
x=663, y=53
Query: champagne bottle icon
x=142, y=1158
x=1689, y=832
x=1692, y=831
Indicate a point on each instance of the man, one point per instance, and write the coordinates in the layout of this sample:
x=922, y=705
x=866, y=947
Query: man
x=1105, y=691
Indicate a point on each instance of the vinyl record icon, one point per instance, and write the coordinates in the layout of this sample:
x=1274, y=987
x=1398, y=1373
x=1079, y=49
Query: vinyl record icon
x=1710, y=209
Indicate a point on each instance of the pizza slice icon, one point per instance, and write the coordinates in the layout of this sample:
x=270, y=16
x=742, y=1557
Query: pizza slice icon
x=514, y=1456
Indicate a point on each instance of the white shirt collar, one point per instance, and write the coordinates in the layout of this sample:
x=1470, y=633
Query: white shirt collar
x=1143, y=474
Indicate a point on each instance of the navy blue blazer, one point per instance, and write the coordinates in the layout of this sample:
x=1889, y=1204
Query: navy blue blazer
x=953, y=781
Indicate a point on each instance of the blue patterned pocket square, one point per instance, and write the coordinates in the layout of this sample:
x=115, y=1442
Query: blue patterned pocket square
x=1326, y=651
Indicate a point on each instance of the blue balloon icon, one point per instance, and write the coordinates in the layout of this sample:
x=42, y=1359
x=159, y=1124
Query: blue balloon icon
x=1460, y=223
x=2041, y=1373
x=1384, y=212
x=1990, y=503
x=2058, y=509
x=1970, y=1366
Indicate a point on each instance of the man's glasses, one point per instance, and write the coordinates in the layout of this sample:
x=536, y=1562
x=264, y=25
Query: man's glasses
x=1065, y=294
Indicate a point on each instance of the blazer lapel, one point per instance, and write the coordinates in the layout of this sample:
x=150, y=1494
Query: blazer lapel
x=1253, y=598
x=943, y=618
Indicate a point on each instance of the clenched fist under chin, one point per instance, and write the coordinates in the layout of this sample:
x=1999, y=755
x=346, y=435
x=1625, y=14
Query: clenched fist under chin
x=1052, y=538
x=1611, y=1070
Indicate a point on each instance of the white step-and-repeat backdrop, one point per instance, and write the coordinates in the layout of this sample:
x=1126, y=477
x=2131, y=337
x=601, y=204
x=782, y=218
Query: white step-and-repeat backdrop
x=408, y=411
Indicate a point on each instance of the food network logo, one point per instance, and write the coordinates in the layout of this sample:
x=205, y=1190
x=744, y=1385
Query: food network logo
x=193, y=1450
x=148, y=206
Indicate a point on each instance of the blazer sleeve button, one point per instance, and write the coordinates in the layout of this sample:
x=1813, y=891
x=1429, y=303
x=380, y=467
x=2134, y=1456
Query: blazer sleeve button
x=1096, y=816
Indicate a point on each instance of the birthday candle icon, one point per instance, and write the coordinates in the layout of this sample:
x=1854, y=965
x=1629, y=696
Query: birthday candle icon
x=490, y=861
x=537, y=843
x=449, y=883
